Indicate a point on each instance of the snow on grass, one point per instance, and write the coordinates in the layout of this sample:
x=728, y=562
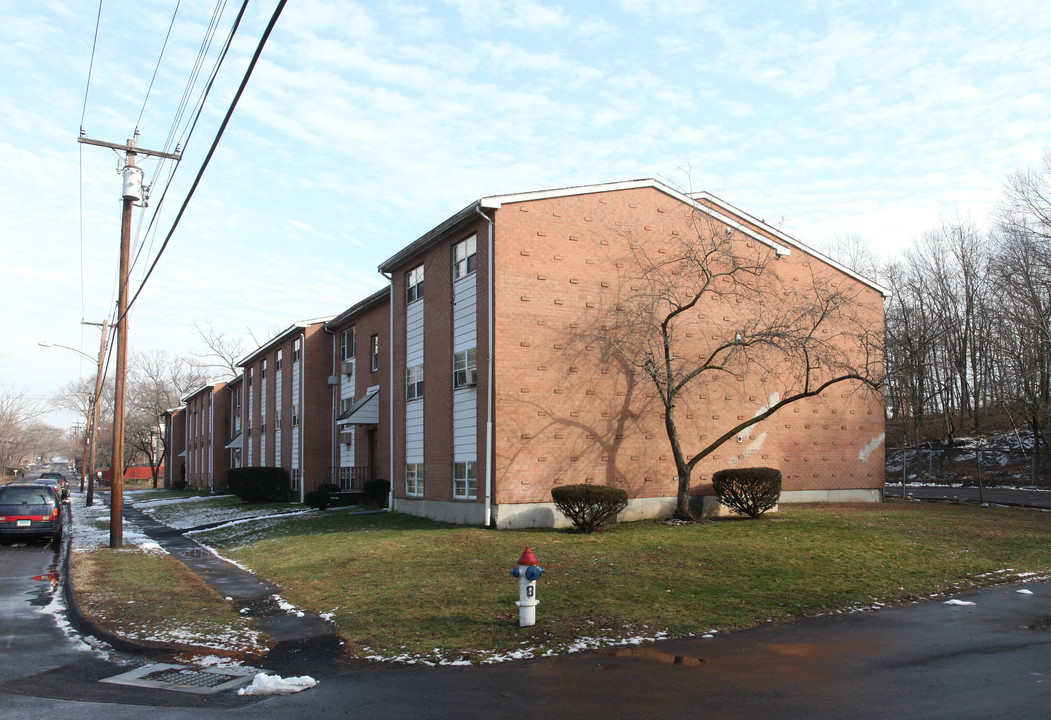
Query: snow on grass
x=263, y=684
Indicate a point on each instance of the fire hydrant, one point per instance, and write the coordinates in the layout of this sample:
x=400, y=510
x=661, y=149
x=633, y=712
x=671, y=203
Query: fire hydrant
x=527, y=573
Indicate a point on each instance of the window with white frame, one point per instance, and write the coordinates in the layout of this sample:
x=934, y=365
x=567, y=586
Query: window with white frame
x=277, y=420
x=465, y=483
x=465, y=369
x=374, y=352
x=297, y=347
x=278, y=360
x=464, y=257
x=262, y=373
x=295, y=478
x=346, y=344
x=414, y=285
x=345, y=404
x=295, y=414
x=414, y=479
x=414, y=382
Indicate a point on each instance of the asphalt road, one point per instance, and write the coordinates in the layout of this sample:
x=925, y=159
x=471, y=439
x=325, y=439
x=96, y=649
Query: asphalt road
x=1019, y=497
x=990, y=659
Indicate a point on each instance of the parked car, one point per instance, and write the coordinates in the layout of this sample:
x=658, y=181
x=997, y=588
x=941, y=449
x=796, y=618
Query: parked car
x=57, y=480
x=30, y=510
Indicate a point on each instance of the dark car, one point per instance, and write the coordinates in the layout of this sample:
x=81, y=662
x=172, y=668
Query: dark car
x=57, y=480
x=29, y=510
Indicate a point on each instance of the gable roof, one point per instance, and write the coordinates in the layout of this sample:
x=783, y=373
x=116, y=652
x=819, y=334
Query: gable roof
x=280, y=338
x=356, y=309
x=782, y=245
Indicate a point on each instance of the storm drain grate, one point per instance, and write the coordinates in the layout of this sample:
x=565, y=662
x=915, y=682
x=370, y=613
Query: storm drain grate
x=183, y=678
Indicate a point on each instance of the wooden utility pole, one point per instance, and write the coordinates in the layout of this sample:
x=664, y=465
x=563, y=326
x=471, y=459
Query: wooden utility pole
x=93, y=418
x=132, y=193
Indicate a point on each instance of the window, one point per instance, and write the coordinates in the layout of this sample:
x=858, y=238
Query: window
x=374, y=351
x=414, y=285
x=295, y=414
x=277, y=362
x=251, y=373
x=465, y=369
x=295, y=478
x=414, y=479
x=277, y=420
x=414, y=382
x=464, y=257
x=297, y=345
x=262, y=426
x=465, y=484
x=346, y=344
x=345, y=405
x=262, y=373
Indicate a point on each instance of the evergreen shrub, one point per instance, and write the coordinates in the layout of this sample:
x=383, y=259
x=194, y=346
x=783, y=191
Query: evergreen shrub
x=588, y=507
x=375, y=492
x=748, y=491
x=260, y=484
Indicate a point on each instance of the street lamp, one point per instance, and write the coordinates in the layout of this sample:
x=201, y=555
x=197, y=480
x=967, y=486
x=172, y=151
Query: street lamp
x=93, y=414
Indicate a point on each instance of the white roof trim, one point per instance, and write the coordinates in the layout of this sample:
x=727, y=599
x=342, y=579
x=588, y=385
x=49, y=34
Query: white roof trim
x=496, y=201
x=283, y=335
x=792, y=241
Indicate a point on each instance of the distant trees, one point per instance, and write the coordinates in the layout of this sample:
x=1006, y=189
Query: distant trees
x=968, y=329
x=17, y=432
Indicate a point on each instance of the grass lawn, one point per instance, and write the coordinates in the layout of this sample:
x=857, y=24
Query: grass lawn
x=399, y=585
x=153, y=597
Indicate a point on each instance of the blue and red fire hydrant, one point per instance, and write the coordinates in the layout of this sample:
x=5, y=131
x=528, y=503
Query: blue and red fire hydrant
x=527, y=573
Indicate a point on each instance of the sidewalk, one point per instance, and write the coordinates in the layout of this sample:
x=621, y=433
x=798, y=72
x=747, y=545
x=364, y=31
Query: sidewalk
x=305, y=644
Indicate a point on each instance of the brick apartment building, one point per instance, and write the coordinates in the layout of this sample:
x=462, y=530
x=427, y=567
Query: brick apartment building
x=361, y=395
x=175, y=437
x=491, y=408
x=206, y=416
x=286, y=405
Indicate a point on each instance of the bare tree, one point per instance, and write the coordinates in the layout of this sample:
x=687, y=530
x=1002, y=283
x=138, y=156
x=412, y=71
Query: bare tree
x=17, y=413
x=713, y=307
x=157, y=382
x=223, y=351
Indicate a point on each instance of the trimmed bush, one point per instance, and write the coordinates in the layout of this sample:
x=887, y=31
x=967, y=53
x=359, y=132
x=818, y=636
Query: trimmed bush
x=589, y=506
x=260, y=484
x=375, y=492
x=318, y=499
x=748, y=491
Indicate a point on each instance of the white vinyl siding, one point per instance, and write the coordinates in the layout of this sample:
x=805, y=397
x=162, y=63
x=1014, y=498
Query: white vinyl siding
x=413, y=358
x=297, y=373
x=465, y=399
x=278, y=379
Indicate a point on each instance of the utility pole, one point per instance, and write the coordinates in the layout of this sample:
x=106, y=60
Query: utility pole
x=93, y=418
x=132, y=175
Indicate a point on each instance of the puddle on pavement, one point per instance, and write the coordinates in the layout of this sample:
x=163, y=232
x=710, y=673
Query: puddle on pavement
x=788, y=662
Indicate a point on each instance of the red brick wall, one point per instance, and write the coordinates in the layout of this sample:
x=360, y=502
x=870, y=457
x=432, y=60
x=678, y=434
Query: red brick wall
x=563, y=417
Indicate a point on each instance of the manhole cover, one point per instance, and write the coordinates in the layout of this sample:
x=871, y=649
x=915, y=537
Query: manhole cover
x=184, y=678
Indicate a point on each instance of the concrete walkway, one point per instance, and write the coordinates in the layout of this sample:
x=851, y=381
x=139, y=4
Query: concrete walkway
x=305, y=644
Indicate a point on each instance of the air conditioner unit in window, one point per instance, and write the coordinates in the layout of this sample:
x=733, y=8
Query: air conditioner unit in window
x=348, y=368
x=346, y=437
x=472, y=377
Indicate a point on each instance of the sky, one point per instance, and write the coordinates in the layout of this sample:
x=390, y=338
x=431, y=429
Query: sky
x=364, y=125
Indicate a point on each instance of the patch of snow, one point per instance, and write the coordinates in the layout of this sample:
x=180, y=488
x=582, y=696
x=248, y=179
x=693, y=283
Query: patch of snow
x=1024, y=591
x=263, y=684
x=954, y=601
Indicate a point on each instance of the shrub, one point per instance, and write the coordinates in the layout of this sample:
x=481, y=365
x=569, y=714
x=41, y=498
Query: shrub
x=179, y=485
x=259, y=484
x=318, y=499
x=589, y=506
x=748, y=491
x=328, y=487
x=375, y=492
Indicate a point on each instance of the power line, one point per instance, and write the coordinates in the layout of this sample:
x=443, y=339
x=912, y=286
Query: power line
x=215, y=142
x=158, y=65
